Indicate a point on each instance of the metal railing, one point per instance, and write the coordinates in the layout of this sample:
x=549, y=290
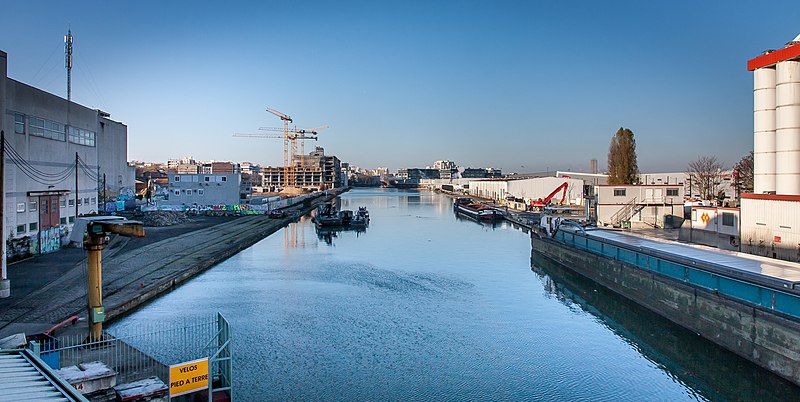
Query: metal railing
x=148, y=349
x=624, y=213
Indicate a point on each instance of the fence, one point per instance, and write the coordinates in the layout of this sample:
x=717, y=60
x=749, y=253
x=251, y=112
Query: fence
x=149, y=350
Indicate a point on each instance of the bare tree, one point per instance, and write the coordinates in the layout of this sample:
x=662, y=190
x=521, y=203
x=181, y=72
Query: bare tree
x=743, y=174
x=705, y=175
x=622, y=165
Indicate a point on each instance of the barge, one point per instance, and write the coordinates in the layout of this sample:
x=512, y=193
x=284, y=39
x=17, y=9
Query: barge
x=747, y=304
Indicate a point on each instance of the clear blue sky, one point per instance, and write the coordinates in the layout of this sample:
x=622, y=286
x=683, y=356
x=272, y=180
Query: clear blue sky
x=524, y=86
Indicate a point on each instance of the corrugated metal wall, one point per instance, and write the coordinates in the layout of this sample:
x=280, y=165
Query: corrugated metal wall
x=771, y=228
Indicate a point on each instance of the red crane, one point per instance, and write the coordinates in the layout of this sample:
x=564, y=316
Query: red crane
x=541, y=203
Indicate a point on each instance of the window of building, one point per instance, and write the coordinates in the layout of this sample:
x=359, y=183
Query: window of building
x=200, y=192
x=72, y=203
x=32, y=206
x=177, y=192
x=619, y=192
x=80, y=202
x=81, y=137
x=20, y=207
x=19, y=123
x=62, y=221
x=46, y=128
x=177, y=178
x=62, y=202
x=20, y=229
x=672, y=192
x=224, y=178
x=727, y=219
x=33, y=226
x=71, y=219
x=94, y=200
x=86, y=201
x=207, y=178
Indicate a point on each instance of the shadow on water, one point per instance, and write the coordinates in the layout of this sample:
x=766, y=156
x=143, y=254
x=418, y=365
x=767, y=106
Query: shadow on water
x=682, y=354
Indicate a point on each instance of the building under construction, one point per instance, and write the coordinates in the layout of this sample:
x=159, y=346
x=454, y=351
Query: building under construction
x=313, y=171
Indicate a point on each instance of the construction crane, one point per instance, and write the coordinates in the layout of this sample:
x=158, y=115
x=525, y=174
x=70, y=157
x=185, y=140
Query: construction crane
x=294, y=135
x=286, y=120
x=290, y=136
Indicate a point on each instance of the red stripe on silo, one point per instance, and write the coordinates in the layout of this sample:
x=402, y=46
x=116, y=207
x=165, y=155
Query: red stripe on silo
x=775, y=57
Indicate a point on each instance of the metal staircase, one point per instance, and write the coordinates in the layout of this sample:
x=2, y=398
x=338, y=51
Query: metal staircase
x=626, y=212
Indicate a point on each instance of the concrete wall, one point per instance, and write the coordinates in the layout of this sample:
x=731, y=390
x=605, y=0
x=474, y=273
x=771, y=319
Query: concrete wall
x=765, y=338
x=112, y=143
x=203, y=189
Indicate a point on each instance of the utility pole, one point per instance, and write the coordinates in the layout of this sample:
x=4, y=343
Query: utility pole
x=76, y=188
x=5, y=284
x=104, y=192
x=68, y=62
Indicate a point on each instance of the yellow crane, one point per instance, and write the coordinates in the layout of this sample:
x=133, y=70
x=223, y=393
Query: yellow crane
x=294, y=135
x=286, y=120
x=289, y=137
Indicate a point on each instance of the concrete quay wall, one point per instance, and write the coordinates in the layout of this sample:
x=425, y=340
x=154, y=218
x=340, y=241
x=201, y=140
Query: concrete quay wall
x=766, y=338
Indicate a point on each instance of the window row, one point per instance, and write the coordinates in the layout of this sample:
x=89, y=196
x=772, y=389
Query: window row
x=39, y=127
x=191, y=178
x=34, y=226
x=188, y=191
x=33, y=206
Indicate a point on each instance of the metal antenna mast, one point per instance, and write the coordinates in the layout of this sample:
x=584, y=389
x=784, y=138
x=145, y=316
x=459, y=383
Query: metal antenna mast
x=68, y=62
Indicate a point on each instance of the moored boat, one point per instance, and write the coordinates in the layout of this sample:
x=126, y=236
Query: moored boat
x=327, y=215
x=361, y=217
x=477, y=210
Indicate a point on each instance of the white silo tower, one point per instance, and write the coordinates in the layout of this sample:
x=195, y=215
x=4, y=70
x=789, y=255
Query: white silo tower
x=776, y=120
x=764, y=130
x=787, y=128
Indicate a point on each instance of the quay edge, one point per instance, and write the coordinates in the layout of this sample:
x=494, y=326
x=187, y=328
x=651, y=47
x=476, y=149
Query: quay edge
x=765, y=337
x=131, y=302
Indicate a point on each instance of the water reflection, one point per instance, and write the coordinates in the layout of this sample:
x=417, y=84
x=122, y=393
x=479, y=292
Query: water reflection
x=684, y=355
x=327, y=234
x=466, y=218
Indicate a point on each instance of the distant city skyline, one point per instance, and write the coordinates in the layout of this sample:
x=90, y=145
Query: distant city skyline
x=519, y=86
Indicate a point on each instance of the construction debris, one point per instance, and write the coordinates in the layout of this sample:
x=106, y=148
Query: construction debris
x=164, y=218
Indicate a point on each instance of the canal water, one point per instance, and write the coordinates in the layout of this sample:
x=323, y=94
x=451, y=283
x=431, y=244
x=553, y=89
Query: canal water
x=425, y=305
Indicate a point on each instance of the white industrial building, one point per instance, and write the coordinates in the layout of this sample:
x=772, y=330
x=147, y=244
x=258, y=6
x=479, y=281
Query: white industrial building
x=529, y=189
x=639, y=204
x=44, y=133
x=769, y=216
x=203, y=190
x=713, y=226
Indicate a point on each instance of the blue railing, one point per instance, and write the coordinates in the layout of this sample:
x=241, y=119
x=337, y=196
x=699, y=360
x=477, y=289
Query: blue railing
x=737, y=289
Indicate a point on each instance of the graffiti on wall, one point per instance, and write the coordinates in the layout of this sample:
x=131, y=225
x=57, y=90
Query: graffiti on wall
x=17, y=249
x=50, y=239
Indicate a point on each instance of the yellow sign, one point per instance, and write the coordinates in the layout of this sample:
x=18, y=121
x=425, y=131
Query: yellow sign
x=188, y=377
x=705, y=218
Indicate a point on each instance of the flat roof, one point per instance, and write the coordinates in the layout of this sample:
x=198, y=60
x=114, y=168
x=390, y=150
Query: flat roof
x=771, y=197
x=765, y=271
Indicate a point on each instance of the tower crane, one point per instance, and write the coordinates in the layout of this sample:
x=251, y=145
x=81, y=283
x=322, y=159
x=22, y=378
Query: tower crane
x=289, y=136
x=294, y=135
x=286, y=120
